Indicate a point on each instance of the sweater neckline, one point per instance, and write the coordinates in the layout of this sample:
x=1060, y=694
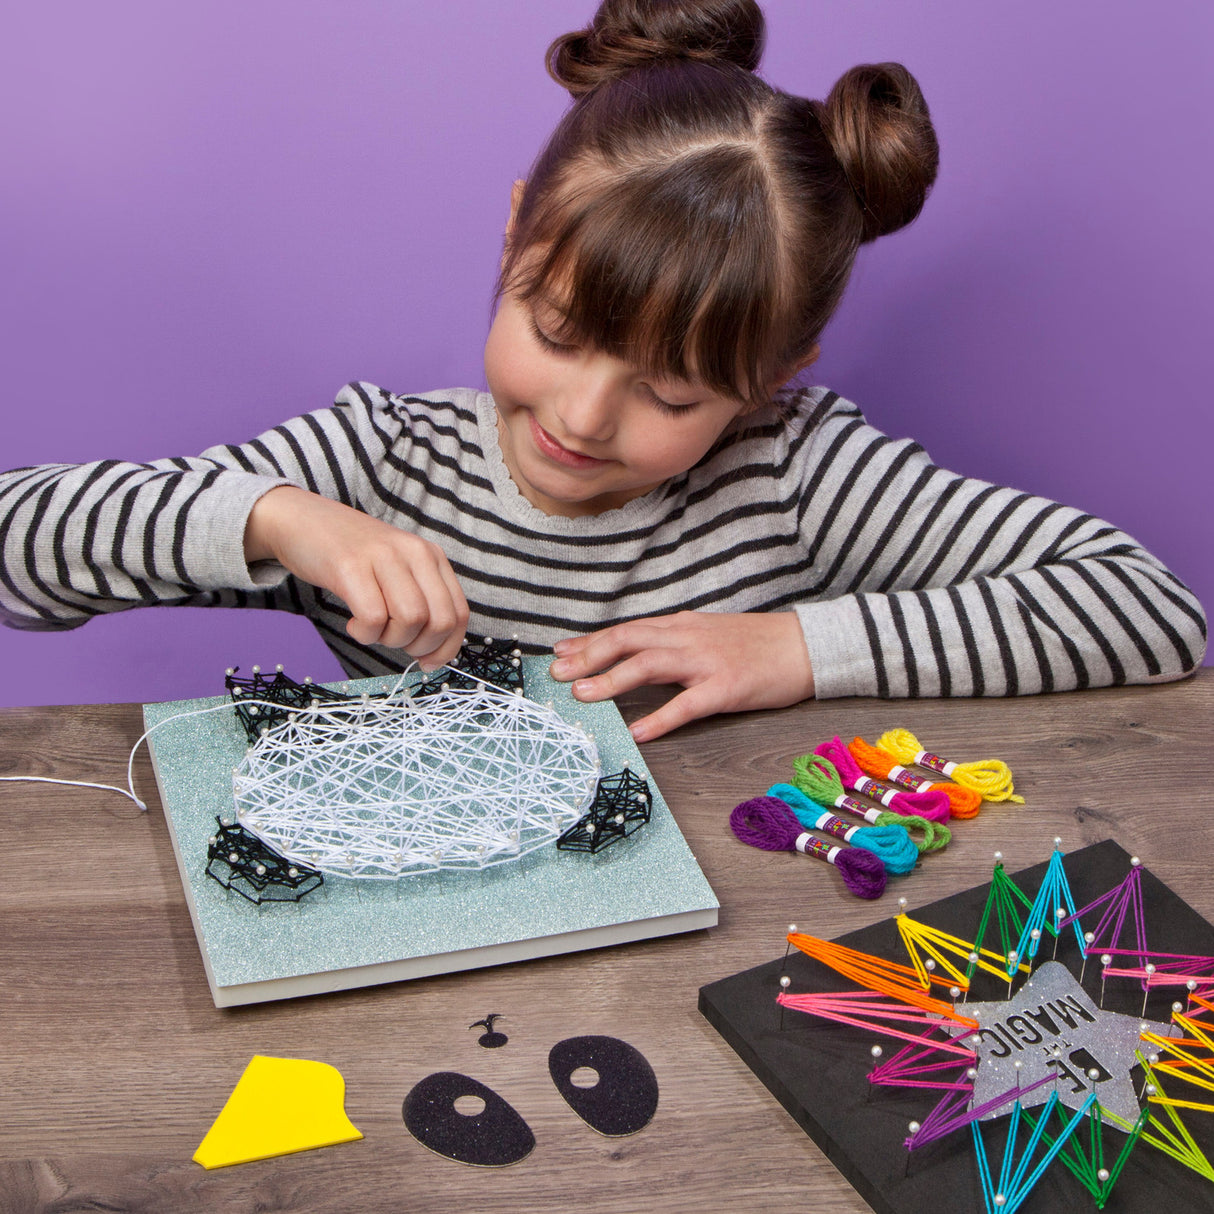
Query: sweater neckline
x=638, y=511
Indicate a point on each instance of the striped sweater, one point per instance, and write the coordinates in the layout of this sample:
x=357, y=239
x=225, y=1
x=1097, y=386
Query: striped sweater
x=908, y=580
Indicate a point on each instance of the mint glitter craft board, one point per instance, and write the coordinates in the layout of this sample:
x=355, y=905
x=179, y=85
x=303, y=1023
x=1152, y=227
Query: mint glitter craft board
x=352, y=933
x=819, y=1070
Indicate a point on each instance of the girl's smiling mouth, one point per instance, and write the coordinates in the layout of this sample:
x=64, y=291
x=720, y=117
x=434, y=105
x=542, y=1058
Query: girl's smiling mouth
x=553, y=450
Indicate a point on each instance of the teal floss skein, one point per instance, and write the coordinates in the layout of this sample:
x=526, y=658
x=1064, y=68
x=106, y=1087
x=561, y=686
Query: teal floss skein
x=817, y=778
x=892, y=845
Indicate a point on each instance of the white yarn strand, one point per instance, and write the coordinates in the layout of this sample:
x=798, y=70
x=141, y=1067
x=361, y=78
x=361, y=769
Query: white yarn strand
x=381, y=788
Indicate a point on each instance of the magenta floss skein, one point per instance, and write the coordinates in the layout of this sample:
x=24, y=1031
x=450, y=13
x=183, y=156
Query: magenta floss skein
x=890, y=844
x=932, y=805
x=817, y=778
x=767, y=823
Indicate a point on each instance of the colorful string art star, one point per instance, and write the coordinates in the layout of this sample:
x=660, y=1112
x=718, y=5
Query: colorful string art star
x=1057, y=1060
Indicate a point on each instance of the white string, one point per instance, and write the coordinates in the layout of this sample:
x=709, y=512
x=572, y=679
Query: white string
x=78, y=784
x=457, y=779
x=380, y=787
x=129, y=791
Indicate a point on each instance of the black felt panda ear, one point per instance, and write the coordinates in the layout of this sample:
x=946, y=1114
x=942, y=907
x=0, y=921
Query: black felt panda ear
x=491, y=1138
x=624, y=1098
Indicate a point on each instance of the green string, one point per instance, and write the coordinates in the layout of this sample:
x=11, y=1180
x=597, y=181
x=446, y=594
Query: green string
x=819, y=780
x=1004, y=895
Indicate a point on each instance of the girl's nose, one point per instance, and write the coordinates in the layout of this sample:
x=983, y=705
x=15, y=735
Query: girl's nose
x=590, y=408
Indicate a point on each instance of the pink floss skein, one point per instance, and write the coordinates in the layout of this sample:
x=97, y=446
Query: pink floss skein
x=932, y=805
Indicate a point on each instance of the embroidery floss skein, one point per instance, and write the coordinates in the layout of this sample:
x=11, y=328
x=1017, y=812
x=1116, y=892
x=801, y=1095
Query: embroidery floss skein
x=891, y=844
x=963, y=802
x=767, y=823
x=933, y=805
x=817, y=778
x=990, y=777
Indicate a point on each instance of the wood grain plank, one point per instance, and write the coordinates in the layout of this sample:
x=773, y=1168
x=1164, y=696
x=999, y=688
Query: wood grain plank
x=115, y=1062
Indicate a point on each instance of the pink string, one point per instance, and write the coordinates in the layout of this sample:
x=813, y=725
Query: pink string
x=932, y=805
x=813, y=1005
x=893, y=1069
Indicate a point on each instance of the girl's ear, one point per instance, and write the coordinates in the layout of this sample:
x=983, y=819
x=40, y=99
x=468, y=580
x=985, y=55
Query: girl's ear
x=808, y=361
x=516, y=201
x=802, y=364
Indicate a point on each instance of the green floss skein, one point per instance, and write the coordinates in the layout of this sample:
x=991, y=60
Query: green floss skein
x=817, y=778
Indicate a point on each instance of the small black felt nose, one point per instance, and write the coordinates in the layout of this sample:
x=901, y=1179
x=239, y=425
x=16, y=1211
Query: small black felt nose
x=626, y=1096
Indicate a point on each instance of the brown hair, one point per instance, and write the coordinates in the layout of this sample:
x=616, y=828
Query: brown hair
x=692, y=220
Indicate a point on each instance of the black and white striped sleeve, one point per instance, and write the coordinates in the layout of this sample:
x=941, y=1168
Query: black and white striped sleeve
x=80, y=540
x=942, y=585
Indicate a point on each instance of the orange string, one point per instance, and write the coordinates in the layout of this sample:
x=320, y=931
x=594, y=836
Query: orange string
x=963, y=802
x=876, y=974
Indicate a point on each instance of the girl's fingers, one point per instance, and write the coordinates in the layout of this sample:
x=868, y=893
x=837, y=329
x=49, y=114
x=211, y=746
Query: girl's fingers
x=587, y=655
x=407, y=601
x=690, y=705
x=369, y=614
x=567, y=647
x=724, y=662
x=423, y=615
x=450, y=647
x=641, y=669
x=439, y=641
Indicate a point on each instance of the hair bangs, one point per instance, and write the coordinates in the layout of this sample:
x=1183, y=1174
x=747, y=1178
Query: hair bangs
x=673, y=268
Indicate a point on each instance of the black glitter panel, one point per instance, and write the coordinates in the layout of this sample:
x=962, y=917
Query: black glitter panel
x=818, y=1070
x=624, y=1098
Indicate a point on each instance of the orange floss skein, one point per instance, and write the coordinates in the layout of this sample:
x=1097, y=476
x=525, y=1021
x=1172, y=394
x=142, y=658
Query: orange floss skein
x=963, y=802
x=990, y=777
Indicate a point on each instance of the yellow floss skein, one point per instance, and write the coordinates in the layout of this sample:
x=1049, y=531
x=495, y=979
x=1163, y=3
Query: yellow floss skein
x=990, y=777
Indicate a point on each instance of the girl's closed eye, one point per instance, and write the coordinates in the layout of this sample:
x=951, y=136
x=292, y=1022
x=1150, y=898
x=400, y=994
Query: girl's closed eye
x=548, y=343
x=665, y=406
x=646, y=390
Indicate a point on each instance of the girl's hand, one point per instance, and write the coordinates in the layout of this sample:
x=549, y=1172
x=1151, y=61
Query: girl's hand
x=400, y=589
x=726, y=663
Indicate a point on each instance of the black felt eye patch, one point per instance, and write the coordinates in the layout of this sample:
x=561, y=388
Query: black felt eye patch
x=492, y=1138
x=625, y=1097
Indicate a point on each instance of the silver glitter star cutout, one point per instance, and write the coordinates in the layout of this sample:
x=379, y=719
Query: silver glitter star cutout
x=1050, y=1026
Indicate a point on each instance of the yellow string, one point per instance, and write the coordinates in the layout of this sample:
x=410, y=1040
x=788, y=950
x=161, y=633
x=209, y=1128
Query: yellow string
x=1190, y=1065
x=990, y=777
x=918, y=936
x=1177, y=1142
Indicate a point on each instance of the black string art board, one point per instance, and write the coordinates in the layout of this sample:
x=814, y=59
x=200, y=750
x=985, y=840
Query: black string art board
x=818, y=1070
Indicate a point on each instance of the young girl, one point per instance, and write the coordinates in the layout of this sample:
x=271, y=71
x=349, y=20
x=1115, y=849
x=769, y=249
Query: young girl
x=637, y=490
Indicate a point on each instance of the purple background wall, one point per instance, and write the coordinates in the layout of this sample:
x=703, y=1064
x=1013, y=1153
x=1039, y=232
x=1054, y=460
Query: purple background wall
x=214, y=215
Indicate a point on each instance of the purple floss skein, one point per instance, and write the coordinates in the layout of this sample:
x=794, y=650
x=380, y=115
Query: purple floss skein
x=892, y=844
x=931, y=805
x=768, y=823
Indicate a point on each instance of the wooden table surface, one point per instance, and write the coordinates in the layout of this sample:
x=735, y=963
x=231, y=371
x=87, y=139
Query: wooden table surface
x=115, y=1062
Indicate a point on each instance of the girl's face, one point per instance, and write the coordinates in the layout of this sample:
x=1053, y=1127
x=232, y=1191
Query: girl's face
x=581, y=431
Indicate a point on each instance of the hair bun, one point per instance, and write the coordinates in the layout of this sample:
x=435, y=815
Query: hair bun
x=881, y=133
x=627, y=34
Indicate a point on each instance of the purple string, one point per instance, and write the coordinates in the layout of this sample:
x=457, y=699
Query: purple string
x=942, y=1120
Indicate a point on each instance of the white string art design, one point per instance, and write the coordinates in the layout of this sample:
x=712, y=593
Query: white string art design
x=382, y=788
